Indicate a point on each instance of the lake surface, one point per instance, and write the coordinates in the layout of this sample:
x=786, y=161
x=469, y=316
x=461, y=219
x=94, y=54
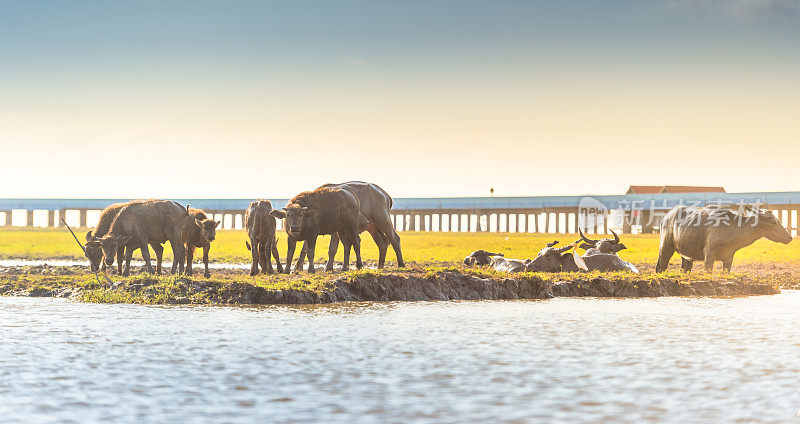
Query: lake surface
x=672, y=360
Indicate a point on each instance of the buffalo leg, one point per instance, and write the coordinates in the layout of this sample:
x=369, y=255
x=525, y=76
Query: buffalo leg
x=356, y=242
x=686, y=264
x=291, y=244
x=206, y=248
x=189, y=258
x=385, y=225
x=178, y=255
x=268, y=246
x=263, y=257
x=277, y=256
x=709, y=262
x=311, y=243
x=346, y=243
x=159, y=250
x=381, y=241
x=120, y=258
x=254, y=252
x=146, y=256
x=727, y=263
x=665, y=252
x=128, y=254
x=332, y=248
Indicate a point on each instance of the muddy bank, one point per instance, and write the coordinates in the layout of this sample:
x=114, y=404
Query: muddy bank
x=408, y=285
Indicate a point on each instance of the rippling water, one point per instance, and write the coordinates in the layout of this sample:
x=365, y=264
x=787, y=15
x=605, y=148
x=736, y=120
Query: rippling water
x=561, y=360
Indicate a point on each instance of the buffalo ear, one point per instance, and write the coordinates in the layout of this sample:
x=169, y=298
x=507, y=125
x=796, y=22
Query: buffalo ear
x=198, y=222
x=585, y=246
x=89, y=236
x=278, y=214
x=217, y=224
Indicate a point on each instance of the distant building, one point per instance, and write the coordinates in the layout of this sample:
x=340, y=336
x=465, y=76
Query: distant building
x=642, y=189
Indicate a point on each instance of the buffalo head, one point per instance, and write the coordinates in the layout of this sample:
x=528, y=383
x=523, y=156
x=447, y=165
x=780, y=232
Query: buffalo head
x=296, y=217
x=110, y=244
x=605, y=245
x=94, y=251
x=480, y=257
x=769, y=225
x=208, y=228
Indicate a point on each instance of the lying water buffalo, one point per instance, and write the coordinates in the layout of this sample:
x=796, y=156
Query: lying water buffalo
x=94, y=249
x=323, y=211
x=260, y=224
x=605, y=245
x=553, y=259
x=480, y=257
x=550, y=259
x=601, y=254
x=198, y=231
x=146, y=222
x=713, y=233
x=374, y=205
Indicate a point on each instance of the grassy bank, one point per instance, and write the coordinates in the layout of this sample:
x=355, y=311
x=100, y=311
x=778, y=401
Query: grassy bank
x=452, y=282
x=25, y=243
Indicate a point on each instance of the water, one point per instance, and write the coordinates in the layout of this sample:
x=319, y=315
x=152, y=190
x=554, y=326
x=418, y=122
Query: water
x=565, y=360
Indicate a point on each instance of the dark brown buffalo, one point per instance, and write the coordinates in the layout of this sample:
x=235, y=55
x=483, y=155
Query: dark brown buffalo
x=198, y=231
x=94, y=249
x=146, y=222
x=318, y=212
x=260, y=224
x=375, y=205
x=714, y=233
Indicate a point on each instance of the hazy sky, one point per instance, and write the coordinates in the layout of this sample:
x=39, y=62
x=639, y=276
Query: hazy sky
x=427, y=98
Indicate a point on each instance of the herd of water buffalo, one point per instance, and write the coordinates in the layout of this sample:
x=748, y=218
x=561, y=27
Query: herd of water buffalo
x=343, y=211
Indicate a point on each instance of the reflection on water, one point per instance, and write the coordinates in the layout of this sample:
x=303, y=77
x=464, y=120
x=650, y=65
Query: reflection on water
x=561, y=360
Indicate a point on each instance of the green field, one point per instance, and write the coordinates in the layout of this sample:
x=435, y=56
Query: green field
x=37, y=243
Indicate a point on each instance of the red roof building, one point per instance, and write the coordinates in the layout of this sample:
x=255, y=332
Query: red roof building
x=637, y=189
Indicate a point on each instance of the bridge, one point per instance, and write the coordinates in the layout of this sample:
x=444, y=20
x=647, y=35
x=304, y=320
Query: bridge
x=529, y=214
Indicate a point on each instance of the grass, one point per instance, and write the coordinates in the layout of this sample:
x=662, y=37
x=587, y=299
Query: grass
x=40, y=244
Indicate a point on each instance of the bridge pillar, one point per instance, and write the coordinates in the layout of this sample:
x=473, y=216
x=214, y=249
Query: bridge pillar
x=8, y=218
x=61, y=214
x=82, y=220
x=51, y=219
x=29, y=218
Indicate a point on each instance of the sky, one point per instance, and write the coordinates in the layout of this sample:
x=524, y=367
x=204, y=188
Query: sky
x=246, y=99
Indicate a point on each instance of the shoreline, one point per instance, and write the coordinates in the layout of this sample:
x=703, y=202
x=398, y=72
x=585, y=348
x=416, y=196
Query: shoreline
x=449, y=282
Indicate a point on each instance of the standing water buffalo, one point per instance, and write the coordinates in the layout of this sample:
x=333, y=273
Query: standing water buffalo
x=94, y=249
x=198, y=231
x=147, y=222
x=374, y=205
x=260, y=224
x=323, y=211
x=713, y=233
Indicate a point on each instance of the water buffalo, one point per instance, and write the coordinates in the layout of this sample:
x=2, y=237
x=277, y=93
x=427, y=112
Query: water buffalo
x=260, y=224
x=146, y=222
x=601, y=255
x=323, y=211
x=714, y=233
x=94, y=249
x=375, y=204
x=553, y=259
x=198, y=231
x=480, y=257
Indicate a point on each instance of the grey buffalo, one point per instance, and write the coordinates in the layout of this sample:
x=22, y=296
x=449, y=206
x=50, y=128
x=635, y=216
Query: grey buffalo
x=601, y=254
x=714, y=233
